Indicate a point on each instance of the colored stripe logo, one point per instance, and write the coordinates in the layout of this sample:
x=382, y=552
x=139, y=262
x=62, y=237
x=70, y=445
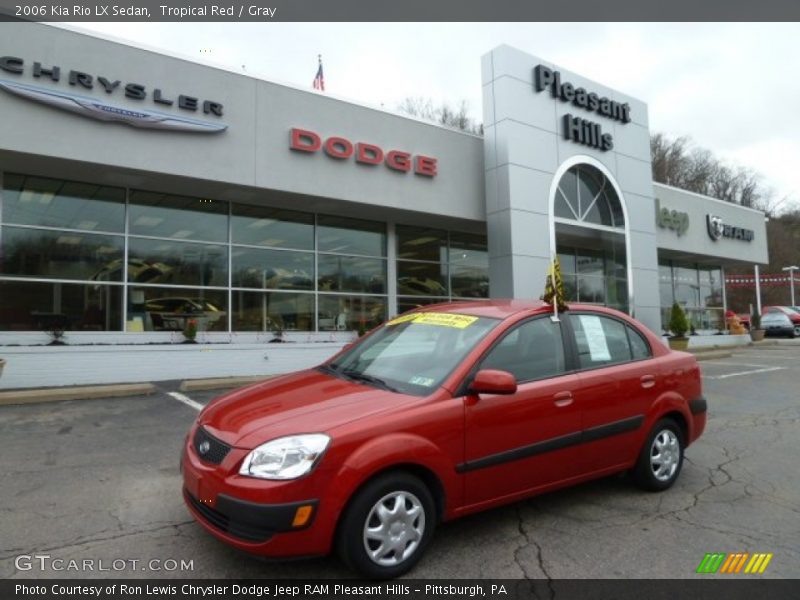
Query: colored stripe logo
x=735, y=563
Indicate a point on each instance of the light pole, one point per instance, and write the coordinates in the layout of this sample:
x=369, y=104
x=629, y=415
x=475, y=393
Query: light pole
x=791, y=270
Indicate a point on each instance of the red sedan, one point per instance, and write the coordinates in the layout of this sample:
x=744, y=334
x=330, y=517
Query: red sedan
x=439, y=413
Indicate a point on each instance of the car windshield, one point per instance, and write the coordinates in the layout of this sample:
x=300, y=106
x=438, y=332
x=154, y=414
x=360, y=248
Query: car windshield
x=413, y=353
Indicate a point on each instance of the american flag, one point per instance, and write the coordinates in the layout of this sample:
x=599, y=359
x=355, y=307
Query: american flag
x=319, y=80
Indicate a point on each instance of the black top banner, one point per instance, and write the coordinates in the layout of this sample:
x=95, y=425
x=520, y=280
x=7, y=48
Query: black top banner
x=407, y=10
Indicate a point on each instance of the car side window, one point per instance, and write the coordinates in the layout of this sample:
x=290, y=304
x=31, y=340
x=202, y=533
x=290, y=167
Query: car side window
x=532, y=350
x=640, y=349
x=603, y=341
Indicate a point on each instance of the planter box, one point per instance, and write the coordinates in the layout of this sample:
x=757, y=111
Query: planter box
x=679, y=343
x=757, y=334
x=2, y=364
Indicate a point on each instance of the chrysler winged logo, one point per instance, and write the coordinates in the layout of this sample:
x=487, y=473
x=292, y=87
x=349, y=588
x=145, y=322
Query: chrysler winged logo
x=204, y=447
x=715, y=227
x=102, y=111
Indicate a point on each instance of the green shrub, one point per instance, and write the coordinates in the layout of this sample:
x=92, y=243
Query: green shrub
x=755, y=321
x=678, y=323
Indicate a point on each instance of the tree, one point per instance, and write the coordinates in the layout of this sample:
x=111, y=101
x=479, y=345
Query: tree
x=444, y=114
x=679, y=163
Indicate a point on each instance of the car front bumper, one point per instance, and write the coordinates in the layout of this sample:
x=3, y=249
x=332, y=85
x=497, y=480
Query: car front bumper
x=257, y=516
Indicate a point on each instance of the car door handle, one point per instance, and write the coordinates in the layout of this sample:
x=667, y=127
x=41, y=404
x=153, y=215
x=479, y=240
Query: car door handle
x=648, y=381
x=562, y=399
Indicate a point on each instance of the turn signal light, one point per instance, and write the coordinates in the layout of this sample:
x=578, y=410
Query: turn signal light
x=303, y=515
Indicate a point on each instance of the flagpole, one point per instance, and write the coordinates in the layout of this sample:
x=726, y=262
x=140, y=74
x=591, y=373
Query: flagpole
x=554, y=318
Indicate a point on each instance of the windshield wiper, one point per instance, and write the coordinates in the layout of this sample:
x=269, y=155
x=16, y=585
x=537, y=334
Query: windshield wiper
x=359, y=376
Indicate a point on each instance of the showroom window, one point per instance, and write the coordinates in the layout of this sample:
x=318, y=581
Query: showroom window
x=434, y=265
x=80, y=256
x=585, y=195
x=61, y=252
x=595, y=276
x=261, y=226
x=699, y=291
x=351, y=273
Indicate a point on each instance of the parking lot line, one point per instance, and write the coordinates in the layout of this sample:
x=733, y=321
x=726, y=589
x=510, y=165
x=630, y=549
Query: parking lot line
x=186, y=400
x=750, y=372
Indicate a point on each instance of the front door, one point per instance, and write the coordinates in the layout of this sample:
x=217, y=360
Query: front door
x=526, y=440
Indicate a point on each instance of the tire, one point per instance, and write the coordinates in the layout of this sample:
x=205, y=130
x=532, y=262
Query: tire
x=401, y=530
x=796, y=331
x=665, y=440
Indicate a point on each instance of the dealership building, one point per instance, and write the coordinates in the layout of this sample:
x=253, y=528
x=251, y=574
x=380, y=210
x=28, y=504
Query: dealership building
x=139, y=191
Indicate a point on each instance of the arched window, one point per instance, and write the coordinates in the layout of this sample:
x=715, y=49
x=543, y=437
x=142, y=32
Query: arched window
x=585, y=195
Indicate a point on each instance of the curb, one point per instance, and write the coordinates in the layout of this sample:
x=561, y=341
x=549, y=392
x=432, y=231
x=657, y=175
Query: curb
x=92, y=392
x=216, y=383
x=711, y=354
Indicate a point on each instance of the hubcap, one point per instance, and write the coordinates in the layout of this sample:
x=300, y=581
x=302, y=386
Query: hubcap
x=665, y=454
x=394, y=528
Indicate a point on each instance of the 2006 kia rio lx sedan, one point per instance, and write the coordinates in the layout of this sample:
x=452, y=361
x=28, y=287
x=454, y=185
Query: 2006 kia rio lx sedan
x=436, y=414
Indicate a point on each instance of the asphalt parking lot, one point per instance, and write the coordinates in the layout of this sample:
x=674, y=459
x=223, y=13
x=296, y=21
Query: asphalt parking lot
x=99, y=480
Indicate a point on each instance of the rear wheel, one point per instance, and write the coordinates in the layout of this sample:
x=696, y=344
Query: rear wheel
x=661, y=457
x=387, y=526
x=796, y=332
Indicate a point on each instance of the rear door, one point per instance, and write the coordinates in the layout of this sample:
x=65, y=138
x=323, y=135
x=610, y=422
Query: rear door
x=523, y=441
x=618, y=382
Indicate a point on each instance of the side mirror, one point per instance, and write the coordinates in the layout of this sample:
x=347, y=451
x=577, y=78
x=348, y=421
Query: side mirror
x=491, y=381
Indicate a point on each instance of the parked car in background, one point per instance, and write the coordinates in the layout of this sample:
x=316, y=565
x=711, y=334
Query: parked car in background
x=789, y=311
x=441, y=412
x=777, y=324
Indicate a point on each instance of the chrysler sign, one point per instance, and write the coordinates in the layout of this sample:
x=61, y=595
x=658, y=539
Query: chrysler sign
x=96, y=108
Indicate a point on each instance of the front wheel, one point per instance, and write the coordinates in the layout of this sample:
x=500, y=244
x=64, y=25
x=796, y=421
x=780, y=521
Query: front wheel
x=796, y=332
x=387, y=526
x=661, y=457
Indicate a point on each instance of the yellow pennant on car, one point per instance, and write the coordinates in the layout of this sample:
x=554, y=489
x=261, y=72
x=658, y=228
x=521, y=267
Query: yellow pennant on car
x=554, y=287
x=436, y=318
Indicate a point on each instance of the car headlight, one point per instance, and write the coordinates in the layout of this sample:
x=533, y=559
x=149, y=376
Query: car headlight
x=285, y=458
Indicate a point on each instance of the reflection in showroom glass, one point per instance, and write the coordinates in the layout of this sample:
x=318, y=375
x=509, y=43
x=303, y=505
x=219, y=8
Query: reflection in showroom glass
x=272, y=311
x=169, y=309
x=45, y=253
x=182, y=263
x=354, y=313
x=44, y=306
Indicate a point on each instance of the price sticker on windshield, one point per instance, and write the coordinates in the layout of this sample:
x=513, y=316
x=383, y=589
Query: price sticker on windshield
x=436, y=318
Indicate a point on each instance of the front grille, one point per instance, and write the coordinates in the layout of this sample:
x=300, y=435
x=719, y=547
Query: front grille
x=248, y=532
x=216, y=451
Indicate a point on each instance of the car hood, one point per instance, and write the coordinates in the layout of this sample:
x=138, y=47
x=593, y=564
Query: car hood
x=304, y=402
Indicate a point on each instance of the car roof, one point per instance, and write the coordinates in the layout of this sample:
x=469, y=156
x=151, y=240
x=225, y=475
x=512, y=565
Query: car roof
x=505, y=308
